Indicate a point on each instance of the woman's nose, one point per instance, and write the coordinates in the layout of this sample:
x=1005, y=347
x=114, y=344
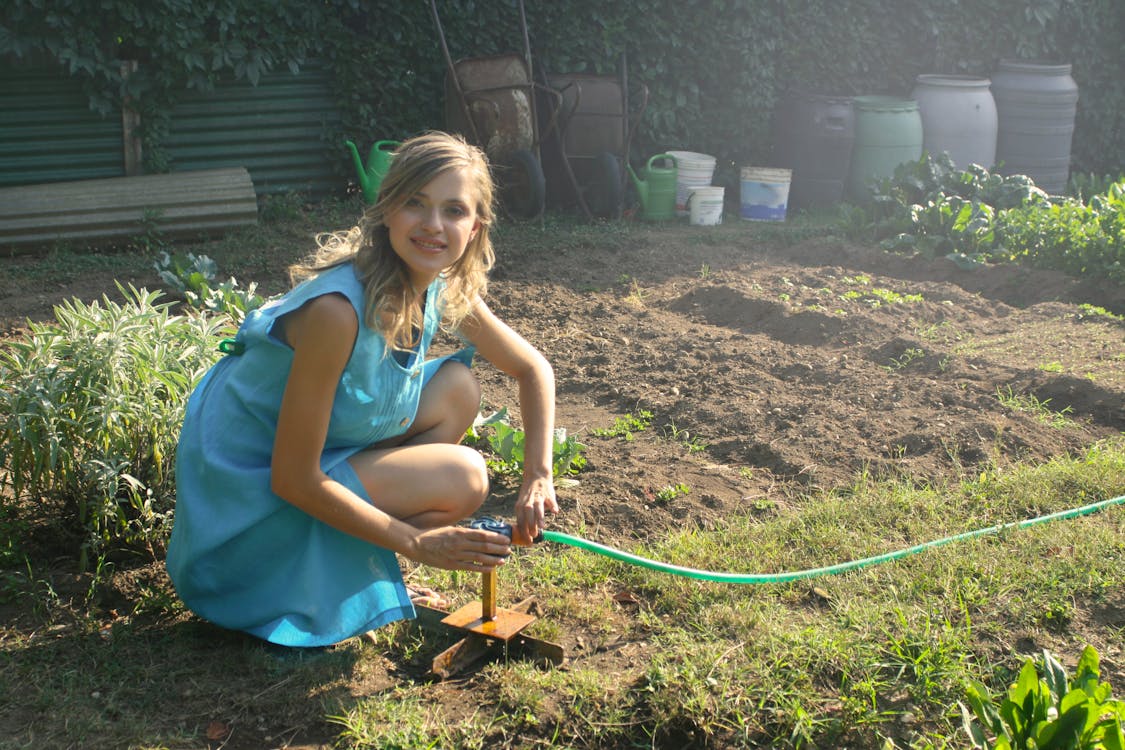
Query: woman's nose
x=431, y=220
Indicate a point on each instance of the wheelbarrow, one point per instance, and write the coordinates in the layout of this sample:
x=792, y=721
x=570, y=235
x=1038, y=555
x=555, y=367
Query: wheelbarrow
x=491, y=101
x=586, y=153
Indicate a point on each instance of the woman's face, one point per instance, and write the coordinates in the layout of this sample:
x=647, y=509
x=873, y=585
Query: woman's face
x=431, y=230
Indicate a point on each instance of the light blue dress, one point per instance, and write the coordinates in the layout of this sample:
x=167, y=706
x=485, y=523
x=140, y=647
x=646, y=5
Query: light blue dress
x=242, y=557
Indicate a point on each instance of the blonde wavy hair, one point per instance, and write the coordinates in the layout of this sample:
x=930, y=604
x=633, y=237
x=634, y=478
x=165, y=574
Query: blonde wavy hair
x=393, y=307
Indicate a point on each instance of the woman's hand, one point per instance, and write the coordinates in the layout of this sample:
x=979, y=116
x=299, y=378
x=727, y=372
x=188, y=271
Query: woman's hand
x=536, y=500
x=460, y=548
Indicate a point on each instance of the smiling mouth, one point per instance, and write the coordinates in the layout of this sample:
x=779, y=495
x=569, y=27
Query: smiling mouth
x=431, y=245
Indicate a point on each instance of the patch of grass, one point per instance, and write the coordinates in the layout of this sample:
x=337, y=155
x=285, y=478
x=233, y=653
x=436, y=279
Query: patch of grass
x=404, y=718
x=1093, y=311
x=1040, y=410
x=842, y=660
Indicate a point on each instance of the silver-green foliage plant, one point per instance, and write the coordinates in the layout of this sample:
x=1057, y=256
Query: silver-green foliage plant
x=90, y=413
x=1050, y=712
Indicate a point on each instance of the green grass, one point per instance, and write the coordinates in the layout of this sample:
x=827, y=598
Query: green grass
x=1040, y=410
x=857, y=656
x=850, y=659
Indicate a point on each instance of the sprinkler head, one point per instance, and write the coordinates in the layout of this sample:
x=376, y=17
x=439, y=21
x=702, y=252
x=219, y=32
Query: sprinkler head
x=500, y=527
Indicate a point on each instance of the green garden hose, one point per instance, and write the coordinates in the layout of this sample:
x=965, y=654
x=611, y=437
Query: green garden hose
x=706, y=575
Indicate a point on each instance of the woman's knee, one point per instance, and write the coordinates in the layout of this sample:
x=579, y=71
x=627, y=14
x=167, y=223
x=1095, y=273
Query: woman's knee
x=459, y=386
x=449, y=404
x=475, y=479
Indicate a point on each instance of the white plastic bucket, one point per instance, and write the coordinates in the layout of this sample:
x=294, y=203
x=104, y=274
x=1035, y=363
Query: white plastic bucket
x=705, y=206
x=765, y=193
x=692, y=170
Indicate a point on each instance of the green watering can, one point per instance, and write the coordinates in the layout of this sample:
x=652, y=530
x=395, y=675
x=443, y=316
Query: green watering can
x=378, y=162
x=657, y=190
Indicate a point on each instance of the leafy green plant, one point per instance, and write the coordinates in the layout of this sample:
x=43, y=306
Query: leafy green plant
x=904, y=360
x=1086, y=239
x=1048, y=712
x=507, y=446
x=624, y=427
x=90, y=413
x=193, y=279
x=974, y=217
x=667, y=494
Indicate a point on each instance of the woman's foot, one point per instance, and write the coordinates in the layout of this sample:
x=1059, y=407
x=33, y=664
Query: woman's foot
x=426, y=597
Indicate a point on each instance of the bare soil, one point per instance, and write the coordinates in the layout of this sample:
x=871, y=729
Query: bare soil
x=769, y=367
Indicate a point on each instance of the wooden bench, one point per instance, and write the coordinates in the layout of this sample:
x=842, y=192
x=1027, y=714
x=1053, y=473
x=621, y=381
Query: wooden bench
x=99, y=212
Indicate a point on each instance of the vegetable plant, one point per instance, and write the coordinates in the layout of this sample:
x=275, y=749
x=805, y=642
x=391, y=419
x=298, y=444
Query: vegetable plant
x=1048, y=712
x=506, y=444
x=974, y=217
x=193, y=278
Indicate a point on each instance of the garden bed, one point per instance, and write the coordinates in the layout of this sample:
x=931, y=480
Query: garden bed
x=754, y=365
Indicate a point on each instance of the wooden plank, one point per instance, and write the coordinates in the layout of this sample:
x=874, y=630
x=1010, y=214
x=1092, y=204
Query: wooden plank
x=180, y=204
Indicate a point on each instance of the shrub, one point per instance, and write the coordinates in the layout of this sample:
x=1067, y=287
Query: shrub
x=90, y=413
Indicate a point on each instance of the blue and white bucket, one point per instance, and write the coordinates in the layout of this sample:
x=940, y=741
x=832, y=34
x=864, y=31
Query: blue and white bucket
x=765, y=193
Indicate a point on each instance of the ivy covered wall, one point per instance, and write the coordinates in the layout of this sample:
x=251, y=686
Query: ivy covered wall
x=714, y=68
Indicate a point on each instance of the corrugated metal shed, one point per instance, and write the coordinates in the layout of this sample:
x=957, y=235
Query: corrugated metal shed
x=49, y=134
x=277, y=130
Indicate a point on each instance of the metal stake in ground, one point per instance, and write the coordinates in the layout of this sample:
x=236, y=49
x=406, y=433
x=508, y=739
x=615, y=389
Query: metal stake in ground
x=492, y=631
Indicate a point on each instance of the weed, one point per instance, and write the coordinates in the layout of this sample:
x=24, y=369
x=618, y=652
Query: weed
x=636, y=296
x=903, y=360
x=1029, y=404
x=625, y=427
x=1051, y=367
x=1052, y=710
x=693, y=443
x=1093, y=311
x=668, y=494
x=151, y=239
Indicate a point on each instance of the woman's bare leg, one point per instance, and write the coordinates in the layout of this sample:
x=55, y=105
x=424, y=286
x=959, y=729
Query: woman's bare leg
x=425, y=477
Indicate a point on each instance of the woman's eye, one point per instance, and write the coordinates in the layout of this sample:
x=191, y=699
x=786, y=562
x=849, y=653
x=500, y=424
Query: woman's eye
x=413, y=202
x=456, y=211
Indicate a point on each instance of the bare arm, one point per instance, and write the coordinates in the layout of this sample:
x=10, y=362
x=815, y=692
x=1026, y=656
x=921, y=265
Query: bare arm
x=514, y=356
x=322, y=334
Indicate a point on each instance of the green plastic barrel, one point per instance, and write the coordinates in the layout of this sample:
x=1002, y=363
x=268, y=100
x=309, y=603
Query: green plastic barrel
x=888, y=132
